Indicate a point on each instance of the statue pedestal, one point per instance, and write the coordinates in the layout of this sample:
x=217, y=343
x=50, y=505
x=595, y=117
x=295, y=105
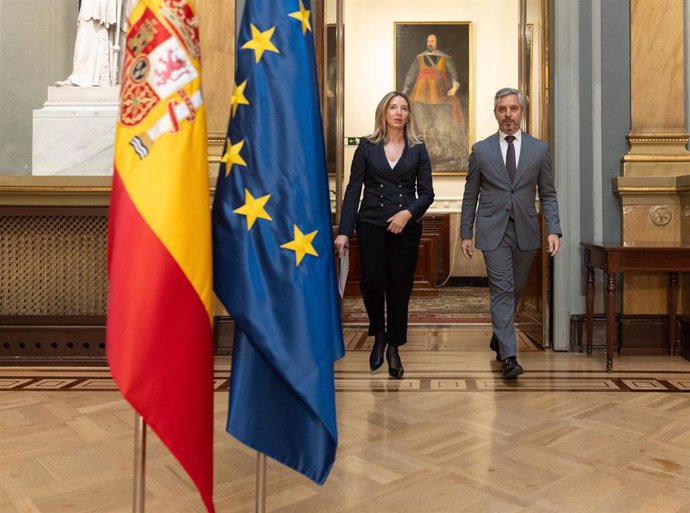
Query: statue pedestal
x=74, y=132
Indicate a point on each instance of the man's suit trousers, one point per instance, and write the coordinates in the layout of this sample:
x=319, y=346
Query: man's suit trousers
x=508, y=269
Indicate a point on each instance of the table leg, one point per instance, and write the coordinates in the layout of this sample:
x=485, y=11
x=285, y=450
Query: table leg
x=590, y=309
x=610, y=318
x=672, y=309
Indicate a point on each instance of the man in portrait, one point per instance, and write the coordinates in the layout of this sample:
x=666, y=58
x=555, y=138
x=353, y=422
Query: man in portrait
x=432, y=86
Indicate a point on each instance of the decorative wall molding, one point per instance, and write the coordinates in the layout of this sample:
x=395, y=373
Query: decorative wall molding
x=661, y=215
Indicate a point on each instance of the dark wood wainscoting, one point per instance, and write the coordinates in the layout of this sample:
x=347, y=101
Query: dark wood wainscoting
x=52, y=340
x=684, y=336
x=438, y=226
x=424, y=276
x=53, y=285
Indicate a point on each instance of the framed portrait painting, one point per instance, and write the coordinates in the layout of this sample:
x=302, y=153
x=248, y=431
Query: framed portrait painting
x=432, y=67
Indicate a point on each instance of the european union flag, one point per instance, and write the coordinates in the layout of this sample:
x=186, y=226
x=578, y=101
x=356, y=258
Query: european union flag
x=274, y=264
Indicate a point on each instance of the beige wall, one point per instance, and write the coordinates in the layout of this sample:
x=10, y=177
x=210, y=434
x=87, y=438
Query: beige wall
x=44, y=30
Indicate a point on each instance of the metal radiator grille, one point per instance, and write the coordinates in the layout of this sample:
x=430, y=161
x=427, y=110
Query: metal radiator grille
x=53, y=265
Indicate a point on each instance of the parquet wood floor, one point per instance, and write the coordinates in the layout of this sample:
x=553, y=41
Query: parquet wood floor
x=452, y=437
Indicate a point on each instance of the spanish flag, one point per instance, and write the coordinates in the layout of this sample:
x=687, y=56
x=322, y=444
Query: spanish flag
x=159, y=329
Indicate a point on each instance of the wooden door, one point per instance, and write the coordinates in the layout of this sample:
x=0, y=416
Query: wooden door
x=534, y=309
x=534, y=312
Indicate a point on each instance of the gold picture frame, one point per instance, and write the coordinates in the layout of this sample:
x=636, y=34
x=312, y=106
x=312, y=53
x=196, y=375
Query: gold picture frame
x=438, y=82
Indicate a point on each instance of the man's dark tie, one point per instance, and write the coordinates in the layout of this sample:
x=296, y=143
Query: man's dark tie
x=510, y=158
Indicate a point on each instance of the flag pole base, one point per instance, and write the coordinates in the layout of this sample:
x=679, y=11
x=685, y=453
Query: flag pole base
x=139, y=464
x=260, y=482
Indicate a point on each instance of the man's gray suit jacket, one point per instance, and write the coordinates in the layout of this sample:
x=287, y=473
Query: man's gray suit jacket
x=488, y=184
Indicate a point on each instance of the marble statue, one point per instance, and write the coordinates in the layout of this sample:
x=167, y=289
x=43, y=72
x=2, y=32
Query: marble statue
x=96, y=56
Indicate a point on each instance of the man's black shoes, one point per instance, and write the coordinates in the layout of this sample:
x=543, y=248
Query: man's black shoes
x=494, y=346
x=511, y=368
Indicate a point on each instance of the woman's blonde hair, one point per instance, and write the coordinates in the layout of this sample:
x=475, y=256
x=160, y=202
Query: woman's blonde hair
x=380, y=132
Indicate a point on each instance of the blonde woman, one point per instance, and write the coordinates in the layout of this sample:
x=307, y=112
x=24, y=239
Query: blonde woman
x=393, y=165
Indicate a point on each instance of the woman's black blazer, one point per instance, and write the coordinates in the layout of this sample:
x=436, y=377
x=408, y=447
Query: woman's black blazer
x=387, y=191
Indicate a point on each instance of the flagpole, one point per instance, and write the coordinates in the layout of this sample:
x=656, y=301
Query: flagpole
x=260, y=482
x=139, y=463
x=120, y=9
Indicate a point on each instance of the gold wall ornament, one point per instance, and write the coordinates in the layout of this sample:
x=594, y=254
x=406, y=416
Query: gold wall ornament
x=661, y=215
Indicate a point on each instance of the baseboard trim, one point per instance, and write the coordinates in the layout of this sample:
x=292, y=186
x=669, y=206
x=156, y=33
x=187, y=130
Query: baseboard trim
x=636, y=334
x=73, y=340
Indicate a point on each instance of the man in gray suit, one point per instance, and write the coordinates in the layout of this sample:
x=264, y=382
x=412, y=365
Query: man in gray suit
x=505, y=171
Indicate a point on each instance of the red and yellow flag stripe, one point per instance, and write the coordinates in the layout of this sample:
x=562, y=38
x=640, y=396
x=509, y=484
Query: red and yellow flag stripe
x=159, y=333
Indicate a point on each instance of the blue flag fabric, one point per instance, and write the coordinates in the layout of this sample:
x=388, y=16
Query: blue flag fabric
x=274, y=263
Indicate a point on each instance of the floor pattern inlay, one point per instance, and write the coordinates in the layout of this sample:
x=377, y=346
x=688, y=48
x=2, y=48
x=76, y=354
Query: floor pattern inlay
x=413, y=384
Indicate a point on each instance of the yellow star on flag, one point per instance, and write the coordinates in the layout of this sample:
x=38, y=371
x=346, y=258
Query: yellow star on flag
x=253, y=208
x=301, y=245
x=303, y=16
x=238, y=98
x=260, y=42
x=232, y=156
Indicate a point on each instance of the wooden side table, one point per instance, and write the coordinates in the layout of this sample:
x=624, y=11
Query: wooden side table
x=614, y=259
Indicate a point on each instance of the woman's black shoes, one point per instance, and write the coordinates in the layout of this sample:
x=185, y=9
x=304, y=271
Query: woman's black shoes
x=395, y=368
x=376, y=356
